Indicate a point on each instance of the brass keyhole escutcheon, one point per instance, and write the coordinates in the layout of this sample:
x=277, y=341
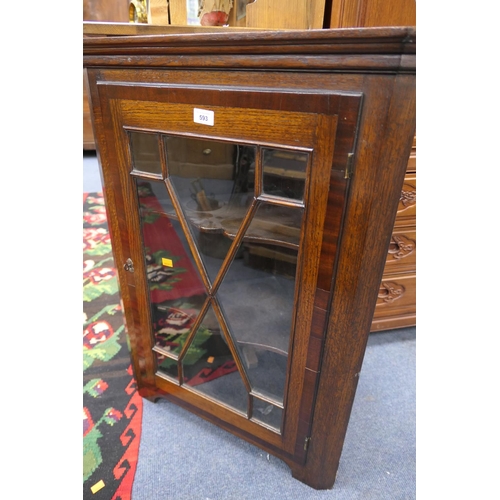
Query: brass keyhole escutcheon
x=129, y=266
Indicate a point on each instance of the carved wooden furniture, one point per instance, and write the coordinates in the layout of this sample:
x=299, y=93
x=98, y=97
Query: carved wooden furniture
x=396, y=302
x=252, y=181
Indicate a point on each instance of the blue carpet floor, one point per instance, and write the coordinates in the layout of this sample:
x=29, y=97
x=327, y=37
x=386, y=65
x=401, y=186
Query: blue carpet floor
x=183, y=457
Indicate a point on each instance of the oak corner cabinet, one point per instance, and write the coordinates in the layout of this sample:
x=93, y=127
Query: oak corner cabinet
x=252, y=181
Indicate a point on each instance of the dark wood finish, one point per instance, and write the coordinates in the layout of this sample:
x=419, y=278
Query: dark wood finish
x=346, y=95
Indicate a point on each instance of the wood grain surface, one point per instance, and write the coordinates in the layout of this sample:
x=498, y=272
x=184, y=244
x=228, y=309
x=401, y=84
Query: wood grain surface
x=345, y=96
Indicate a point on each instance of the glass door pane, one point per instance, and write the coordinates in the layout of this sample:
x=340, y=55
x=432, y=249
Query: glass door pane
x=257, y=296
x=212, y=181
x=221, y=225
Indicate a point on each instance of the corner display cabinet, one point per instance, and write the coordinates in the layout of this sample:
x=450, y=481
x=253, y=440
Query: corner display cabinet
x=251, y=180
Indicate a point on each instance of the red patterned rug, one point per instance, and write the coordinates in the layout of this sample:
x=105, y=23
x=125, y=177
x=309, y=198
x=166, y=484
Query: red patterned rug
x=112, y=407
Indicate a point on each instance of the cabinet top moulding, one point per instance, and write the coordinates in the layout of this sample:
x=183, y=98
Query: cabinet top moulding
x=381, y=50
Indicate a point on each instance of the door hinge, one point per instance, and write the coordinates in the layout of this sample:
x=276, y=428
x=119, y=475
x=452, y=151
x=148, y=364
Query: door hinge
x=306, y=443
x=348, y=166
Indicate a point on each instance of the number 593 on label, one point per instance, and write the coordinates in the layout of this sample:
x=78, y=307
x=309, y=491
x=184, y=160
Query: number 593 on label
x=203, y=116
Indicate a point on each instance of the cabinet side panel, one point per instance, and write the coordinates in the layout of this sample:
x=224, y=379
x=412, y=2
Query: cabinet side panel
x=379, y=172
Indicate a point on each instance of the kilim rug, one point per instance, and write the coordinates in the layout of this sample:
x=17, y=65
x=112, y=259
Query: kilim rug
x=112, y=407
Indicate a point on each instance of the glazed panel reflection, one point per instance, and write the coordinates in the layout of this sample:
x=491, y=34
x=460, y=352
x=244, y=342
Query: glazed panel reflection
x=176, y=290
x=145, y=152
x=284, y=173
x=213, y=183
x=257, y=296
x=210, y=369
x=221, y=250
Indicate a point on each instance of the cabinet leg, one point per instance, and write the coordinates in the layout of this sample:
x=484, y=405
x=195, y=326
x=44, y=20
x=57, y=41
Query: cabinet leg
x=149, y=394
x=319, y=480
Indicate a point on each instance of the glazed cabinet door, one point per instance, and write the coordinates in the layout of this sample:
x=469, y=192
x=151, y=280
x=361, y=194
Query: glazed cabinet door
x=226, y=206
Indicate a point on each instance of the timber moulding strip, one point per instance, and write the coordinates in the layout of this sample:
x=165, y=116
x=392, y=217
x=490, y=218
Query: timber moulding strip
x=380, y=50
x=376, y=64
x=383, y=41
